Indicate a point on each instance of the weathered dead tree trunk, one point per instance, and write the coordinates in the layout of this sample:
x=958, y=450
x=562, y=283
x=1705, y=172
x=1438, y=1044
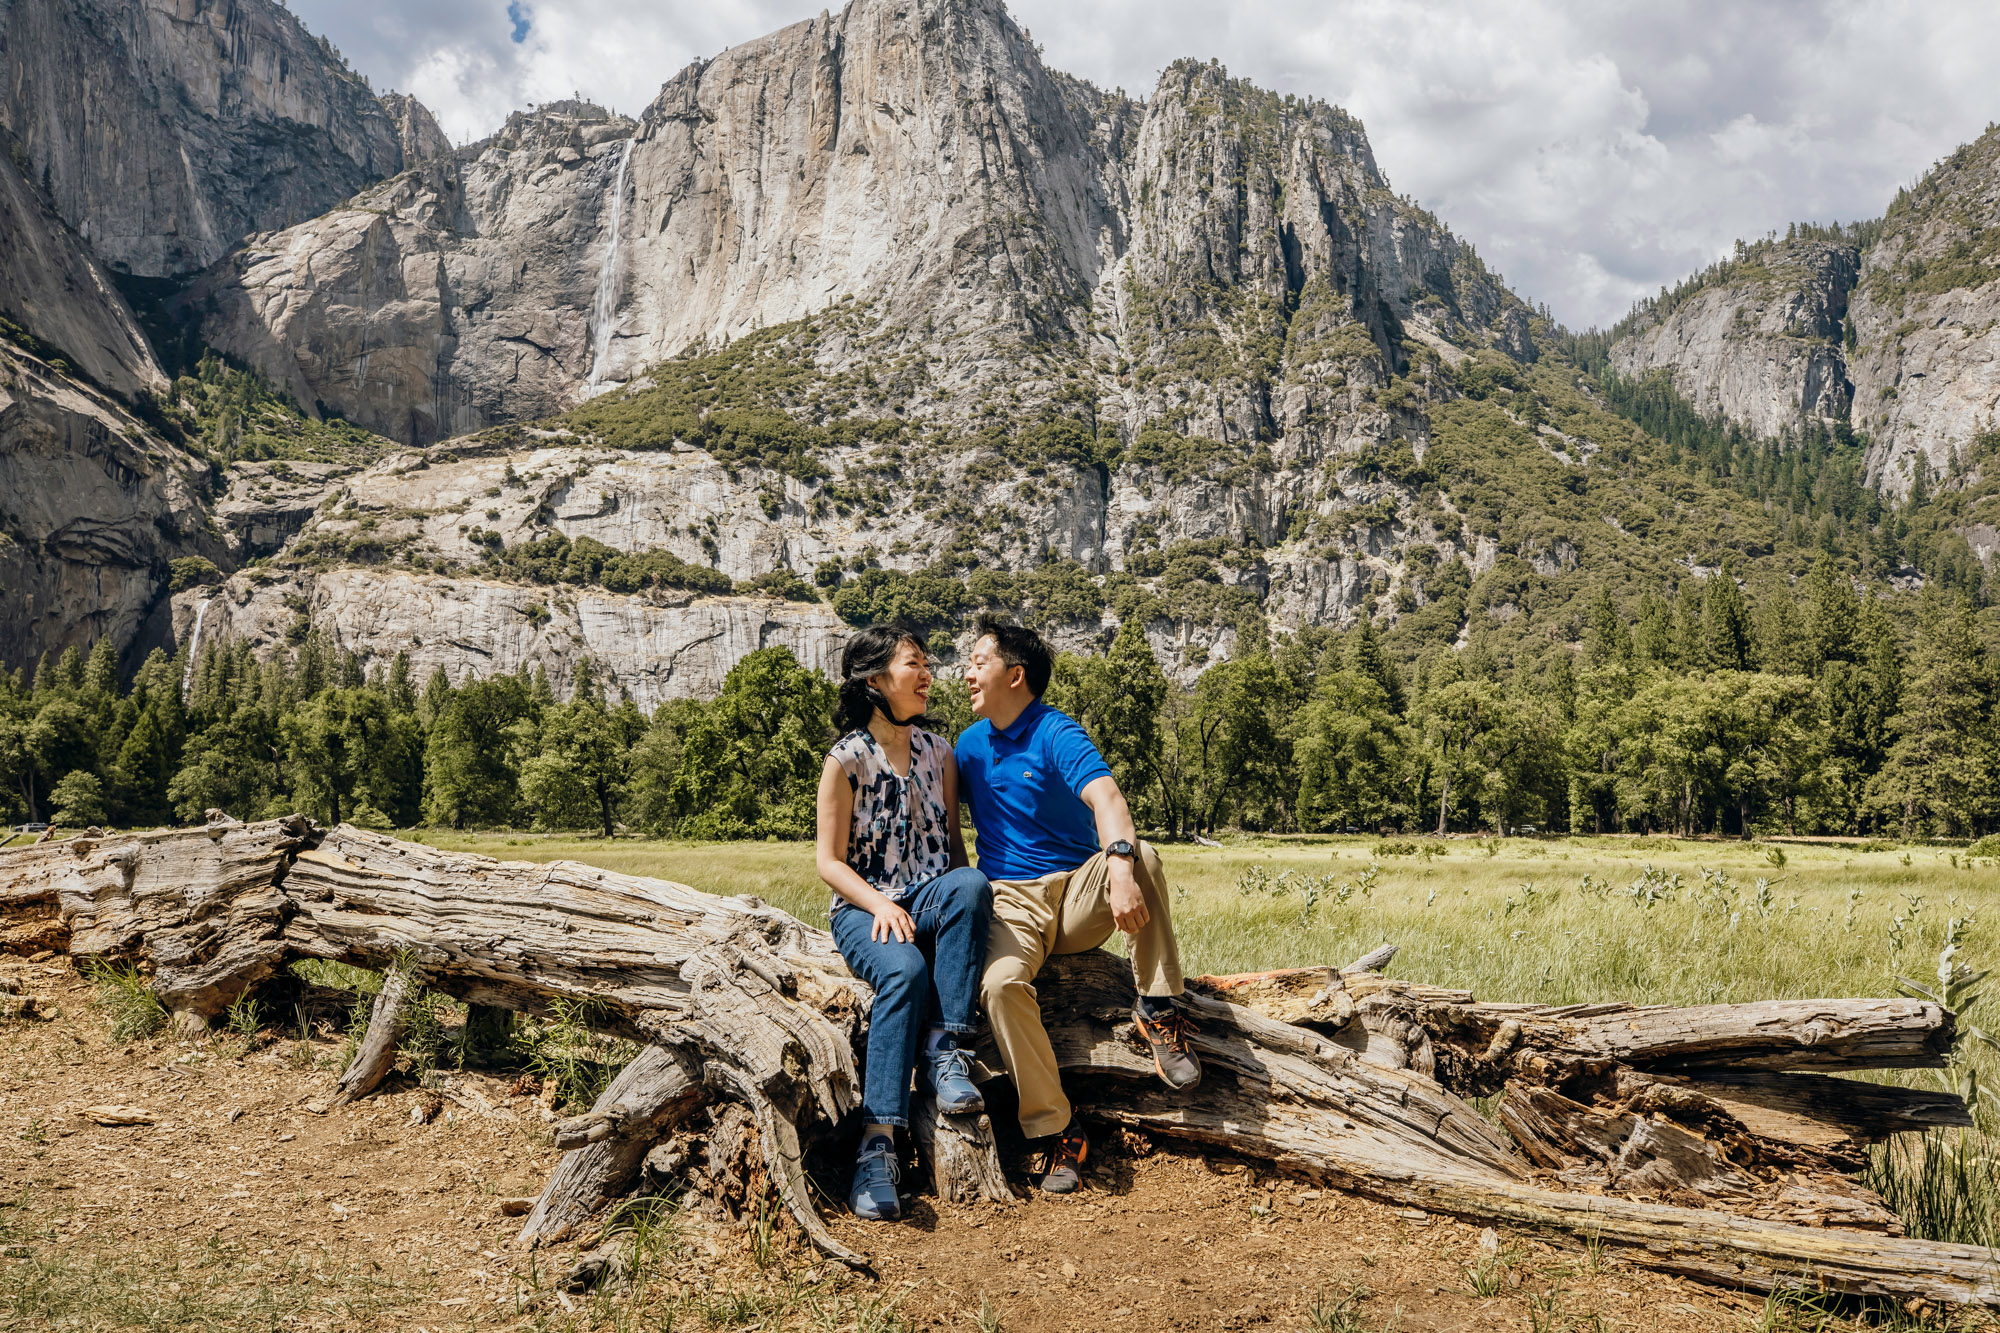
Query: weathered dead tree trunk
x=1340, y=1074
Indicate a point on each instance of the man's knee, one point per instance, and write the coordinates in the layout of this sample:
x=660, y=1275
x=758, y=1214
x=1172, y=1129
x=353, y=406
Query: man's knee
x=1004, y=978
x=1151, y=871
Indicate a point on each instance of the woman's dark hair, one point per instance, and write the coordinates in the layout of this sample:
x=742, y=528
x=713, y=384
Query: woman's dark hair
x=1019, y=646
x=869, y=653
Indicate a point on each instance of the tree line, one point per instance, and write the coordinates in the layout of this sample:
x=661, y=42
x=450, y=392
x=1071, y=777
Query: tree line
x=1817, y=710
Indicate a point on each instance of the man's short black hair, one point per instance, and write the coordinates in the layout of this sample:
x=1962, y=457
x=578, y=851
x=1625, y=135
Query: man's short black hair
x=1021, y=647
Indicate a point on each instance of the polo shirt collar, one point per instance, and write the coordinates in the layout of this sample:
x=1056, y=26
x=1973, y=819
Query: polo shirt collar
x=1012, y=731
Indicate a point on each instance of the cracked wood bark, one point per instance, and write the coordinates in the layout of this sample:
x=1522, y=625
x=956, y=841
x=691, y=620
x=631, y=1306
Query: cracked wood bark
x=1768, y=1034
x=763, y=1007
x=29, y=873
x=1760, y=1142
x=376, y=1054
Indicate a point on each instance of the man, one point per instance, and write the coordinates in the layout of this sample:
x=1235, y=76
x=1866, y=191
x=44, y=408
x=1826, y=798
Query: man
x=1057, y=842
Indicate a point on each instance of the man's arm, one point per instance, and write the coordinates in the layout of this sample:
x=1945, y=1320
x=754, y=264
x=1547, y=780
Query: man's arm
x=1114, y=823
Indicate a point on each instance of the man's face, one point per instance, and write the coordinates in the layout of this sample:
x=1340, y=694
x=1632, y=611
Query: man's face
x=987, y=677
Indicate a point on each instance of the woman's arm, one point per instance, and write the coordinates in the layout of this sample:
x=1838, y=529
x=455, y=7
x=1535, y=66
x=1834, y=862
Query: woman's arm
x=952, y=829
x=836, y=816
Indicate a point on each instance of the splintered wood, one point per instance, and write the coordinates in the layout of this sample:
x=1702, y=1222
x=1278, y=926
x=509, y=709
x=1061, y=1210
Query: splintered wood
x=1708, y=1141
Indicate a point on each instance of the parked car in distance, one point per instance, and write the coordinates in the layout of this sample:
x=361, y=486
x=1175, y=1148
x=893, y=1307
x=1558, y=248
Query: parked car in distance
x=31, y=828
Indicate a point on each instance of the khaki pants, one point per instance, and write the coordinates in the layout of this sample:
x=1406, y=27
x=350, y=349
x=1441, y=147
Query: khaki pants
x=1067, y=912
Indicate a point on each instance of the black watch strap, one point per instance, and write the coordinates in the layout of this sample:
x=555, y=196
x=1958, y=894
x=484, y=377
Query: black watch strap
x=1121, y=848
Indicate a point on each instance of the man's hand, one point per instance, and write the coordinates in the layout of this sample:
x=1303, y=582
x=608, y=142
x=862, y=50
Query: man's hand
x=1128, y=905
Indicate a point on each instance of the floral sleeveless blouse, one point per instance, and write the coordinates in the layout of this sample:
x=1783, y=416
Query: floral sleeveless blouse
x=898, y=840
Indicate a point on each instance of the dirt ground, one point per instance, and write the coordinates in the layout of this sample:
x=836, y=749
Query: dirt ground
x=241, y=1208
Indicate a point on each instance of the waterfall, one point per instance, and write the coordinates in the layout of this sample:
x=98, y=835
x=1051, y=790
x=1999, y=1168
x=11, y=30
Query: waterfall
x=194, y=647
x=606, y=311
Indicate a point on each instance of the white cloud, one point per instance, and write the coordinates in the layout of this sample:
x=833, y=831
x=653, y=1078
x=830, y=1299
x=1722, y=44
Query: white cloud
x=1592, y=152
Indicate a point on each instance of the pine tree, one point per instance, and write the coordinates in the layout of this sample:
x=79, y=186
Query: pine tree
x=1366, y=658
x=1943, y=770
x=1782, y=645
x=1653, y=637
x=1833, y=615
x=1726, y=640
x=1686, y=654
x=1605, y=638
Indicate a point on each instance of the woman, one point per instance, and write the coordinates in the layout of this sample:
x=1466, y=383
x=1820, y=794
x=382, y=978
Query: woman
x=909, y=915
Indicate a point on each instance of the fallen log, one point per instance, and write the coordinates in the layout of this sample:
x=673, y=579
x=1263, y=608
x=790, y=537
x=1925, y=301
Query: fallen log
x=1481, y=1044
x=748, y=1012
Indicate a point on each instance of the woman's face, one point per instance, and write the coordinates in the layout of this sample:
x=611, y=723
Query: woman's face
x=907, y=682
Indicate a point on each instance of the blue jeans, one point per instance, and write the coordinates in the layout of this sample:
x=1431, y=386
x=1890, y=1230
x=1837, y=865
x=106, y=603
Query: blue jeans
x=931, y=983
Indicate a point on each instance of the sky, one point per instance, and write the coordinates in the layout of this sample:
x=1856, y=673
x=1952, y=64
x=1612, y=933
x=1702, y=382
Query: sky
x=1592, y=151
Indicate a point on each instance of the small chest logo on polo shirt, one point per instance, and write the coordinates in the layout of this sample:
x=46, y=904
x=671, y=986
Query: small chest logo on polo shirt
x=1028, y=774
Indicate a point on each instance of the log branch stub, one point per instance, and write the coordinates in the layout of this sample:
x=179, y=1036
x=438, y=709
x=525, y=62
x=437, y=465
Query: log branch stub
x=376, y=1054
x=960, y=1152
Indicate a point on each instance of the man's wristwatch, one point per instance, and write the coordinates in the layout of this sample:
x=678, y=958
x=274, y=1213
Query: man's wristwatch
x=1121, y=848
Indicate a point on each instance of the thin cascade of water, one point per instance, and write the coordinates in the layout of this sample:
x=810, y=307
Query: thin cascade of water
x=194, y=647
x=604, y=315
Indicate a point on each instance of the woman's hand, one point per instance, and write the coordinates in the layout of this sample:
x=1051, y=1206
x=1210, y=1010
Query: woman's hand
x=892, y=923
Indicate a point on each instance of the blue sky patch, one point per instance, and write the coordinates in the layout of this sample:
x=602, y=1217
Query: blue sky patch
x=522, y=17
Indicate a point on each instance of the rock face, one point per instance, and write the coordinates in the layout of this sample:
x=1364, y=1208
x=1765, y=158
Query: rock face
x=443, y=300
x=1762, y=345
x=1897, y=339
x=674, y=647
x=1927, y=320
x=52, y=287
x=417, y=131
x=164, y=130
x=91, y=510
x=915, y=158
x=1217, y=280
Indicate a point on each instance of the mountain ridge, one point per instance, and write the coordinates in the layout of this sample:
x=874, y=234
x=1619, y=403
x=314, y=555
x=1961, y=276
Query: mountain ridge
x=893, y=308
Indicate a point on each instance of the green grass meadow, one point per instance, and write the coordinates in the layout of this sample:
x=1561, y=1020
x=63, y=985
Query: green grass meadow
x=1553, y=921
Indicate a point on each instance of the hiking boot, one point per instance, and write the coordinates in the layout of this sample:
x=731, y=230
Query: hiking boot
x=1168, y=1036
x=948, y=1070
x=1062, y=1169
x=873, y=1195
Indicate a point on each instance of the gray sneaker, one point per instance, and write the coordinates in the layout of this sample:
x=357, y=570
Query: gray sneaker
x=948, y=1070
x=873, y=1195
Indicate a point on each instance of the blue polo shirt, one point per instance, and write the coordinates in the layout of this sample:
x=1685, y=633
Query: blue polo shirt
x=1023, y=784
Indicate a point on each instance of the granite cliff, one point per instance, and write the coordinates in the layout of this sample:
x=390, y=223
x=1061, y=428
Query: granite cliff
x=1761, y=345
x=1204, y=301
x=143, y=139
x=165, y=130
x=917, y=157
x=1889, y=330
